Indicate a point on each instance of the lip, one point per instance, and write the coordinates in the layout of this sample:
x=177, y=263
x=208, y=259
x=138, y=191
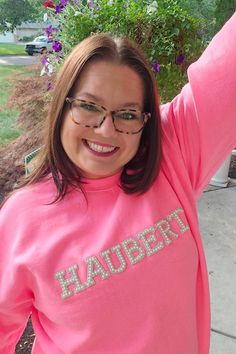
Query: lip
x=100, y=154
x=99, y=143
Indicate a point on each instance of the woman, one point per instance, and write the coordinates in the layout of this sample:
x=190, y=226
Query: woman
x=102, y=245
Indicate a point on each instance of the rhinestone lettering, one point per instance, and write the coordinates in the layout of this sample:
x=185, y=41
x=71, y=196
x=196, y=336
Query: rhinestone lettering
x=65, y=282
x=107, y=256
x=131, y=250
x=148, y=241
x=95, y=268
x=69, y=280
x=174, y=215
x=164, y=227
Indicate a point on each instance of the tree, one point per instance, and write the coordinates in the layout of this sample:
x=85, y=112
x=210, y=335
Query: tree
x=214, y=12
x=37, y=9
x=224, y=10
x=202, y=9
x=14, y=12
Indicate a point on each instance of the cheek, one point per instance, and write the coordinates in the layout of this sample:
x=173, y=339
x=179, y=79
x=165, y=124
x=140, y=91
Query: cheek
x=64, y=131
x=69, y=134
x=68, y=142
x=132, y=145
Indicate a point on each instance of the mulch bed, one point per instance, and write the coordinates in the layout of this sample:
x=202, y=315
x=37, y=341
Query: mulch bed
x=25, y=344
x=30, y=98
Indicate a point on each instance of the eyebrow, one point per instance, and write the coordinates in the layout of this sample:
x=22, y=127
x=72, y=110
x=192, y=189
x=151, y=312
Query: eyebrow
x=99, y=100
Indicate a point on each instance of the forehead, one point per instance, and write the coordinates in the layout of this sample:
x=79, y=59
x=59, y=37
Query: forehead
x=111, y=83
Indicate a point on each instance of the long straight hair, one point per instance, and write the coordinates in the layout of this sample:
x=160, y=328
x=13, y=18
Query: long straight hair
x=140, y=172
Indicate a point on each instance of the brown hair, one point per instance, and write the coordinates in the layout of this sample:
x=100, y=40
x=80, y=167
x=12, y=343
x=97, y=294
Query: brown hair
x=145, y=164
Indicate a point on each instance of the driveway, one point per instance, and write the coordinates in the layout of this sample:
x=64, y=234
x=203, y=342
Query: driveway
x=19, y=60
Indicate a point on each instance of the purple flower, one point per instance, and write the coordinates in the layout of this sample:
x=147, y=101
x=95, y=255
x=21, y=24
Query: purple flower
x=44, y=60
x=61, y=6
x=76, y=2
x=50, y=30
x=156, y=66
x=49, y=87
x=57, y=46
x=180, y=59
x=58, y=9
x=57, y=57
x=90, y=4
x=200, y=31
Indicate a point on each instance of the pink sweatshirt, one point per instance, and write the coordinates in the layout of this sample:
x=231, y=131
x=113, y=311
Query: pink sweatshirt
x=124, y=274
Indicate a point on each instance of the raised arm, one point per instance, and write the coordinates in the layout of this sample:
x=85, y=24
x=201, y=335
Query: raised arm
x=202, y=118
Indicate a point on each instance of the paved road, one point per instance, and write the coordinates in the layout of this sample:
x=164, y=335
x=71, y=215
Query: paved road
x=19, y=60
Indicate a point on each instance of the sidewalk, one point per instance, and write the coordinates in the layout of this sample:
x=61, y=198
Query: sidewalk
x=20, y=60
x=217, y=216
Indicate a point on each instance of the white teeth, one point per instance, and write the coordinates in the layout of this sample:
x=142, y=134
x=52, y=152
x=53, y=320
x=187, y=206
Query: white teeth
x=100, y=148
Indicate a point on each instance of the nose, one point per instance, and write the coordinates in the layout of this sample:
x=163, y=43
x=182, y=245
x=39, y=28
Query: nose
x=107, y=129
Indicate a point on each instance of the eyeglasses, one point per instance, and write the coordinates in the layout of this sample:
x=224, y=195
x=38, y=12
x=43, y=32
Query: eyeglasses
x=91, y=115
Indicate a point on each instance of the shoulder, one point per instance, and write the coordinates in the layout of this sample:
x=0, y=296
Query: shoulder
x=29, y=198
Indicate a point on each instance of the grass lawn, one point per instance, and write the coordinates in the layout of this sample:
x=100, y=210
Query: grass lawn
x=8, y=130
x=12, y=49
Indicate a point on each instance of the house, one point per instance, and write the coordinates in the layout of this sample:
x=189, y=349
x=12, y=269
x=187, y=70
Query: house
x=26, y=29
x=7, y=38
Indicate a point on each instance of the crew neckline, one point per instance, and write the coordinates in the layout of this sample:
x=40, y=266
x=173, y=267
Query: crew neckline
x=101, y=183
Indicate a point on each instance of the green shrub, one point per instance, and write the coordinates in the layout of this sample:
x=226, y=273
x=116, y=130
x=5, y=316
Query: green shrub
x=166, y=33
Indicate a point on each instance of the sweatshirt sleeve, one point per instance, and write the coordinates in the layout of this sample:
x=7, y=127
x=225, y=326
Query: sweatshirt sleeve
x=15, y=294
x=201, y=120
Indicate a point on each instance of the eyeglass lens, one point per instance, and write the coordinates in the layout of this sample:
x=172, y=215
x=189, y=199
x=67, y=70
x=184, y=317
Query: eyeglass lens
x=90, y=114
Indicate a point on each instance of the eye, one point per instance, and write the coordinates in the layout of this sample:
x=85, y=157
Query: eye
x=89, y=107
x=127, y=115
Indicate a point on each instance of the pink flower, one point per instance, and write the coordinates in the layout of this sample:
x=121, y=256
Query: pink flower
x=49, y=3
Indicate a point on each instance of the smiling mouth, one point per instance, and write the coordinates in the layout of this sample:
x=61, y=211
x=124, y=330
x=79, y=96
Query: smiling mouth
x=103, y=149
